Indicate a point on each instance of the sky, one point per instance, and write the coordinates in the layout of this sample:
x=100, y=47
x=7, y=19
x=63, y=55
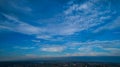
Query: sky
x=58, y=28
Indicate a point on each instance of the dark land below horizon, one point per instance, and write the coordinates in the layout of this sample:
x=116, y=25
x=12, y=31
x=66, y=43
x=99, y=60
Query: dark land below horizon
x=66, y=62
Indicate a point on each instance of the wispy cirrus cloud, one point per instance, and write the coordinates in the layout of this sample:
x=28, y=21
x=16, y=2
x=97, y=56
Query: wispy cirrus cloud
x=79, y=17
x=14, y=24
x=95, y=48
x=23, y=48
x=109, y=26
x=76, y=18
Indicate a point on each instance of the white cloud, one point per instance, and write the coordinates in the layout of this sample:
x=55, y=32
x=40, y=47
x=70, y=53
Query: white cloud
x=83, y=7
x=70, y=9
x=37, y=41
x=90, y=54
x=113, y=49
x=78, y=17
x=95, y=48
x=23, y=48
x=53, y=49
x=89, y=48
x=46, y=37
x=97, y=43
x=109, y=26
x=16, y=25
x=85, y=49
x=49, y=37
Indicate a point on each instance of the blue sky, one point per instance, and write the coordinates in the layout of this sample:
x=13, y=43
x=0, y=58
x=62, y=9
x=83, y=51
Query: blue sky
x=56, y=28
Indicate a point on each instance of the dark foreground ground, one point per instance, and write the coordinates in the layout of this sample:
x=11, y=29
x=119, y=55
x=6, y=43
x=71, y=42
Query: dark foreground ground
x=61, y=64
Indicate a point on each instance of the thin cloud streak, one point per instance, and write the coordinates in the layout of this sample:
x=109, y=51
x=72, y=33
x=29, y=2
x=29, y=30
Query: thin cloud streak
x=109, y=26
x=16, y=25
x=23, y=48
x=53, y=49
